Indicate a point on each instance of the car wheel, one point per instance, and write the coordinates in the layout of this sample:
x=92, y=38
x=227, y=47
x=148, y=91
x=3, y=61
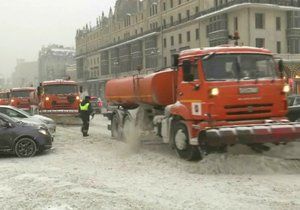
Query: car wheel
x=25, y=147
x=181, y=143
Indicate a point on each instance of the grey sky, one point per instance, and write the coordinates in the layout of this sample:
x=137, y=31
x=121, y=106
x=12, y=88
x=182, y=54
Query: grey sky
x=26, y=25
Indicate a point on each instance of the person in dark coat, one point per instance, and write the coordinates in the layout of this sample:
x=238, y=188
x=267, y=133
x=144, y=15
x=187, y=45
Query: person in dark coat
x=85, y=111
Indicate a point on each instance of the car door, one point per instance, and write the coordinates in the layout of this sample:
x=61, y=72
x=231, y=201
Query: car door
x=5, y=136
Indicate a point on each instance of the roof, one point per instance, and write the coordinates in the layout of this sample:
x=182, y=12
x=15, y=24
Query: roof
x=59, y=82
x=23, y=88
x=224, y=49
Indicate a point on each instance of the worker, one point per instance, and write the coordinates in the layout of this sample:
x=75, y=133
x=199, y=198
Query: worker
x=85, y=111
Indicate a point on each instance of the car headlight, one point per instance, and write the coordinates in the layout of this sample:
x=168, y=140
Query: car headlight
x=43, y=131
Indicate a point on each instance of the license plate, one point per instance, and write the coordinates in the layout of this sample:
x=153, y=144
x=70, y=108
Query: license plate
x=248, y=90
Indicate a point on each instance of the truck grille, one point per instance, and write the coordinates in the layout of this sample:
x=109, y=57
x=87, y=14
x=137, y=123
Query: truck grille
x=249, y=109
x=61, y=105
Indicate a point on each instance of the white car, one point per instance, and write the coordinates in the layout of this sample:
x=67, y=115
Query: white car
x=25, y=117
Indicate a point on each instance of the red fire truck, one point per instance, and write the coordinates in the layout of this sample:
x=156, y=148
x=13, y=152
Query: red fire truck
x=59, y=99
x=4, y=97
x=211, y=98
x=22, y=97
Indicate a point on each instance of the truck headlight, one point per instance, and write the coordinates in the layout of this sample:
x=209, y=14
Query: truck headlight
x=43, y=131
x=12, y=100
x=214, y=91
x=47, y=98
x=286, y=88
x=77, y=98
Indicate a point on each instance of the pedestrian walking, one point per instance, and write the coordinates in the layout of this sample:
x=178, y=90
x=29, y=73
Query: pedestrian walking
x=85, y=111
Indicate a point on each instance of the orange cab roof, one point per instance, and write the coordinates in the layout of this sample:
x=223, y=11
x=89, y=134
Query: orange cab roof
x=23, y=88
x=59, y=82
x=224, y=49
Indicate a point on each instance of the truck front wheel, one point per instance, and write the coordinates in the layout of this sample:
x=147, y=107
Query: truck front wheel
x=182, y=145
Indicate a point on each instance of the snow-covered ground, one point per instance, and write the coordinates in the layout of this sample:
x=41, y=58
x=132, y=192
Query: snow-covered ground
x=101, y=173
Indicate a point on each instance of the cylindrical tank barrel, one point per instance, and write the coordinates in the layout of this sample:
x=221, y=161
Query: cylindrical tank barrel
x=157, y=89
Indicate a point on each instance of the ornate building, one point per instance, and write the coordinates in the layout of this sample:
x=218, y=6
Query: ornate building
x=143, y=34
x=53, y=61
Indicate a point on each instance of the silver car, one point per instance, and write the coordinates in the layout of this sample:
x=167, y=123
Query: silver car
x=25, y=117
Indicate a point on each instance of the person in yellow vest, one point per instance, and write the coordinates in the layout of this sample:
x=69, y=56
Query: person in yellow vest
x=85, y=111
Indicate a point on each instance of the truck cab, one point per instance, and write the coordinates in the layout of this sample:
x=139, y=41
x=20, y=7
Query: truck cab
x=22, y=97
x=4, y=97
x=59, y=97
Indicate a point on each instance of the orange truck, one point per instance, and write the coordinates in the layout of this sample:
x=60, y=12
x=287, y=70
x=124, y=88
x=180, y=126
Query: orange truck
x=4, y=97
x=22, y=97
x=210, y=99
x=59, y=99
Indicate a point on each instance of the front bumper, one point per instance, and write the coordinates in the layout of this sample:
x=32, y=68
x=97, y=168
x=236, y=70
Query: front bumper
x=276, y=133
x=44, y=141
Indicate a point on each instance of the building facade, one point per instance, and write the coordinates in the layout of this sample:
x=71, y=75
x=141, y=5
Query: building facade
x=53, y=61
x=25, y=74
x=143, y=35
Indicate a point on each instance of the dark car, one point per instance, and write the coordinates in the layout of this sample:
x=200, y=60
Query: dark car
x=22, y=139
x=293, y=108
x=96, y=104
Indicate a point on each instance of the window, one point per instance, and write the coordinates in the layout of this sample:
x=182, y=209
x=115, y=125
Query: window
x=172, y=40
x=239, y=67
x=259, y=21
x=164, y=6
x=197, y=34
x=259, y=42
x=196, y=9
x=165, y=61
x=192, y=73
x=171, y=20
x=179, y=1
x=179, y=17
x=171, y=3
x=188, y=36
x=165, y=22
x=278, y=23
x=278, y=47
x=179, y=38
x=188, y=14
x=165, y=42
x=236, y=24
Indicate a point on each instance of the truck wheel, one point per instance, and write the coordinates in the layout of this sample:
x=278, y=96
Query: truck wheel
x=116, y=127
x=25, y=147
x=181, y=143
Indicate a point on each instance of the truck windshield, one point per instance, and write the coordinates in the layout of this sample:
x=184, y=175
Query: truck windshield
x=20, y=94
x=4, y=95
x=239, y=67
x=60, y=89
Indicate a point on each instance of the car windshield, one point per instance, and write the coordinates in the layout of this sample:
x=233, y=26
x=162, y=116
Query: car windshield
x=239, y=67
x=24, y=113
x=60, y=89
x=24, y=93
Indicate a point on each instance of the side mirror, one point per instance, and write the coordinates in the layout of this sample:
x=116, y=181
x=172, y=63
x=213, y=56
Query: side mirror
x=175, y=60
x=187, y=67
x=80, y=89
x=281, y=67
x=39, y=90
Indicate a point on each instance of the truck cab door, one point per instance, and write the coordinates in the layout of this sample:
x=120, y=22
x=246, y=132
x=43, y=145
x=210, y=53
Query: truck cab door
x=189, y=86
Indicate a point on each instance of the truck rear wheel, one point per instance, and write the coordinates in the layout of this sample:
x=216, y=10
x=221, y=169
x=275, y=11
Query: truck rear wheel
x=116, y=127
x=182, y=145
